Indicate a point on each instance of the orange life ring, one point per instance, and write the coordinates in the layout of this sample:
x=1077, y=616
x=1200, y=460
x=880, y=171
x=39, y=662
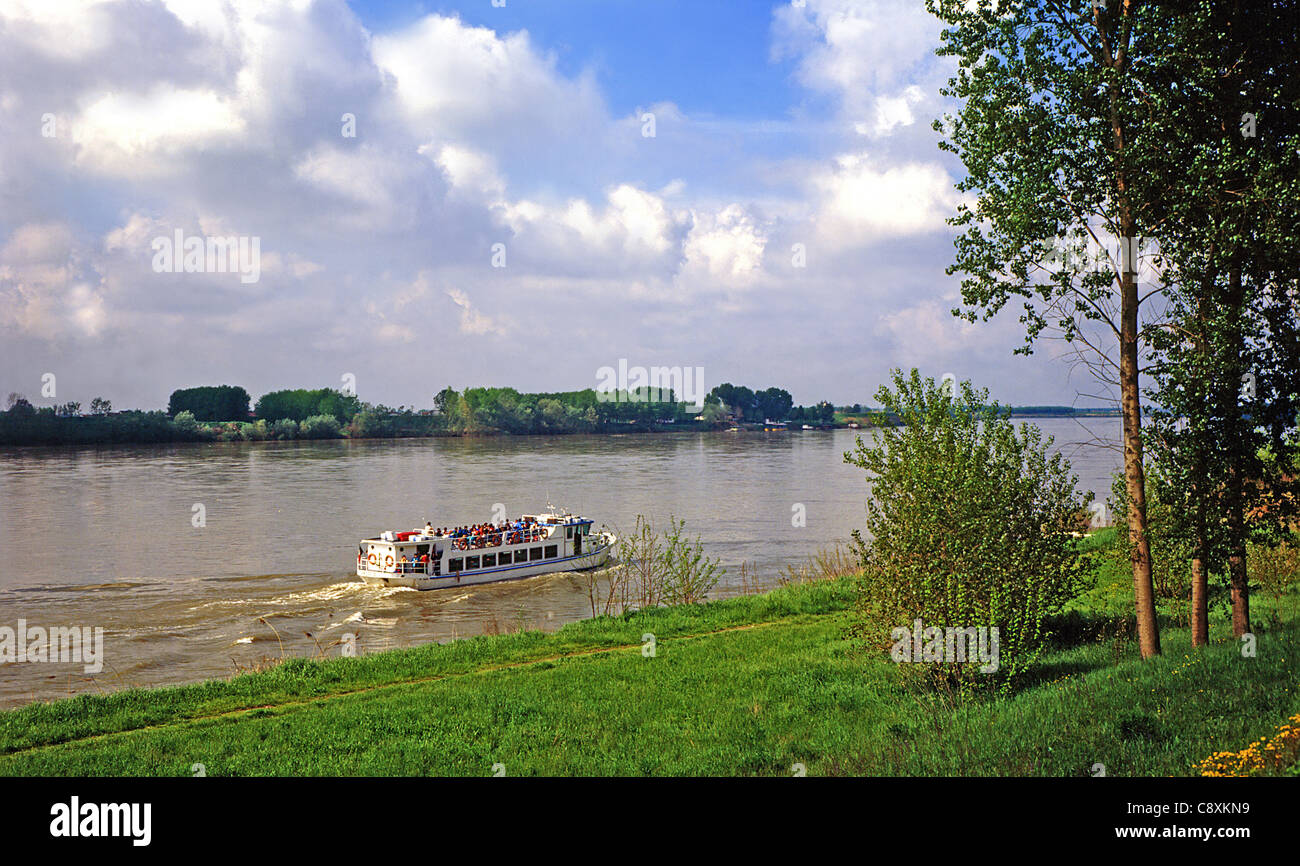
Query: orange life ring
x=388, y=561
x=373, y=559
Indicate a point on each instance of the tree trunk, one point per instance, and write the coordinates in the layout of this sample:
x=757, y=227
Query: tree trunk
x=1200, y=488
x=1134, y=474
x=1240, y=592
x=1237, y=574
x=1200, y=608
x=1130, y=395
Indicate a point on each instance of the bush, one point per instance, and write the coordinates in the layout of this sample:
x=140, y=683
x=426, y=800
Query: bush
x=184, y=422
x=1171, y=547
x=689, y=575
x=285, y=428
x=970, y=524
x=1274, y=569
x=321, y=427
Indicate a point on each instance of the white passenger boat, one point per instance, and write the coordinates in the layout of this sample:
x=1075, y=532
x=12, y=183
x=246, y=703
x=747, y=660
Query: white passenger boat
x=432, y=558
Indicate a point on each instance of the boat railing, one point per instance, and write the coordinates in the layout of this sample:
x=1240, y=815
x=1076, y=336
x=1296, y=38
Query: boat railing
x=497, y=539
x=398, y=567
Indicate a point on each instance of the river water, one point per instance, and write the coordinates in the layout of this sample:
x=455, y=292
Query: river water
x=107, y=537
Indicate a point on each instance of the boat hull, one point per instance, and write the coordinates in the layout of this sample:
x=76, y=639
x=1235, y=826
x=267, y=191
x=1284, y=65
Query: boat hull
x=582, y=562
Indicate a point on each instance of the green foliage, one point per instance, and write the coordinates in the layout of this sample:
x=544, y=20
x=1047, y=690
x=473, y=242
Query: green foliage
x=23, y=424
x=1275, y=568
x=1171, y=545
x=300, y=404
x=185, y=422
x=688, y=574
x=772, y=404
x=969, y=525
x=320, y=427
x=210, y=403
x=285, y=428
x=1228, y=365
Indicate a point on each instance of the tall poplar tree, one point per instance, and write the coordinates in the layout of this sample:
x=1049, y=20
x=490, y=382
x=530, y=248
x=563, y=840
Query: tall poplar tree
x=1051, y=130
x=1229, y=362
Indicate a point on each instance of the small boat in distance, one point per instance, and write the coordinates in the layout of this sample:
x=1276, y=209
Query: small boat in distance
x=430, y=558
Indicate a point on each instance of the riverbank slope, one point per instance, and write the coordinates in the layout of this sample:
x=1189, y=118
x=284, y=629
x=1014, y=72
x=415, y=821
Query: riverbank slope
x=757, y=685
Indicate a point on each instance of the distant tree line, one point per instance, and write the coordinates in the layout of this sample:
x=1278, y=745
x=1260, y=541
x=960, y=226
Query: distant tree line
x=222, y=413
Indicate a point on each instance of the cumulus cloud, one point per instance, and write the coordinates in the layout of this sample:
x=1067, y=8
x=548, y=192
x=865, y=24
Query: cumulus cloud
x=862, y=199
x=380, y=172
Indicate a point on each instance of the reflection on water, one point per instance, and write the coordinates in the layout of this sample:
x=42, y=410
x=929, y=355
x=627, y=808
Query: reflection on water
x=106, y=536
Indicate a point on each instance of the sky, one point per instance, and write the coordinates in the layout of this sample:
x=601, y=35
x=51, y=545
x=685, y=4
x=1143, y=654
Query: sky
x=467, y=194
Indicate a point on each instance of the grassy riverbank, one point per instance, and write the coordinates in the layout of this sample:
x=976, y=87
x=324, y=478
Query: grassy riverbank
x=752, y=685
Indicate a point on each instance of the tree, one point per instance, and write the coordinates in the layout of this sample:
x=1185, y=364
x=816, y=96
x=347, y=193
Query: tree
x=1051, y=134
x=300, y=404
x=446, y=400
x=19, y=406
x=969, y=522
x=774, y=403
x=1229, y=362
x=210, y=403
x=100, y=406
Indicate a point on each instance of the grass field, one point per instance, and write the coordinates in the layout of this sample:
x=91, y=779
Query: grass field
x=745, y=686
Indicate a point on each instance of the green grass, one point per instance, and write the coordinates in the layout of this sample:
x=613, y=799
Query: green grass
x=751, y=685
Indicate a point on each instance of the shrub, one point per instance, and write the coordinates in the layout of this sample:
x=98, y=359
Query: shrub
x=688, y=574
x=184, y=422
x=969, y=526
x=320, y=427
x=1171, y=547
x=285, y=428
x=1275, y=568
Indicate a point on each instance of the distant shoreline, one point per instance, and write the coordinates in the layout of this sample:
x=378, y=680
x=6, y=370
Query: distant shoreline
x=74, y=431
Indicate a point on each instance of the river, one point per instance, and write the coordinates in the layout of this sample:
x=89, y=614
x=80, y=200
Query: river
x=107, y=537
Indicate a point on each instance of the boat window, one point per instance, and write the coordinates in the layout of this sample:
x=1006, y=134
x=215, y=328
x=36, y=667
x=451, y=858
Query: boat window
x=534, y=553
x=454, y=565
x=471, y=563
x=550, y=551
x=489, y=560
x=520, y=556
x=421, y=549
x=568, y=532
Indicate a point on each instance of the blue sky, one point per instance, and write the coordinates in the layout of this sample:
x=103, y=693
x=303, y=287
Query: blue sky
x=707, y=56
x=496, y=212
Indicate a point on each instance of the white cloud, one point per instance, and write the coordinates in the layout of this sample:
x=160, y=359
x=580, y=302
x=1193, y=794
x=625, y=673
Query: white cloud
x=224, y=118
x=472, y=321
x=727, y=246
x=125, y=126
x=876, y=56
x=863, y=201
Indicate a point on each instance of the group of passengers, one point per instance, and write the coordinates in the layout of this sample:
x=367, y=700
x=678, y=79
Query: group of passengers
x=410, y=563
x=492, y=535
